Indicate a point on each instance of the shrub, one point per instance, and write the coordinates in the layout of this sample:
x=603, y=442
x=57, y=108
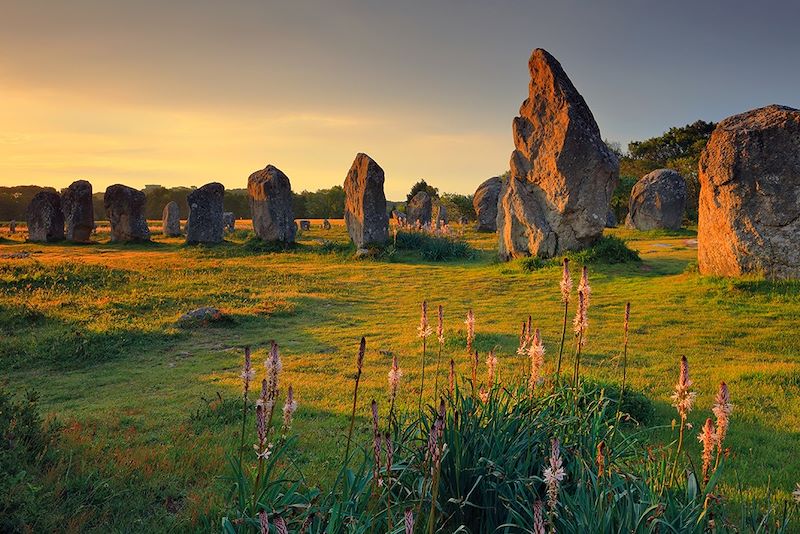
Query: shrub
x=610, y=249
x=433, y=247
x=257, y=245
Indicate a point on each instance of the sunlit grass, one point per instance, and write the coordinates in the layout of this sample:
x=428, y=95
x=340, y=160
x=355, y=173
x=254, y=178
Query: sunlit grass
x=95, y=333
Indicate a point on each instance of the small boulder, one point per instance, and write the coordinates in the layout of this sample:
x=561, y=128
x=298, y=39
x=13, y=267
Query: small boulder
x=657, y=201
x=365, y=203
x=419, y=210
x=45, y=218
x=305, y=225
x=749, y=210
x=485, y=203
x=203, y=316
x=229, y=221
x=171, y=220
x=270, y=194
x=125, y=210
x=204, y=224
x=76, y=203
x=326, y=224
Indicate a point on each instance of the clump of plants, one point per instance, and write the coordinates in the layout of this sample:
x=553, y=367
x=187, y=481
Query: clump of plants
x=542, y=450
x=608, y=250
x=431, y=246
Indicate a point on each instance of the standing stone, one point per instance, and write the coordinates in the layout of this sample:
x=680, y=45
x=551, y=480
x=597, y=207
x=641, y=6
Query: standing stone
x=76, y=203
x=229, y=221
x=326, y=224
x=271, y=205
x=611, y=219
x=45, y=218
x=399, y=218
x=12, y=227
x=485, y=203
x=749, y=210
x=171, y=220
x=205, y=224
x=657, y=201
x=125, y=210
x=365, y=203
x=439, y=215
x=305, y=225
x=420, y=209
x=562, y=173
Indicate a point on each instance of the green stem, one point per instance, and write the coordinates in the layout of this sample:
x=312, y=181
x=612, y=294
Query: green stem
x=244, y=421
x=677, y=454
x=422, y=386
x=563, y=337
x=352, y=420
x=436, y=380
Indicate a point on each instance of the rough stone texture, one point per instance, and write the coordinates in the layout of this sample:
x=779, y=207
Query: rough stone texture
x=749, y=212
x=201, y=317
x=562, y=174
x=420, y=209
x=305, y=225
x=45, y=218
x=485, y=203
x=205, y=223
x=365, y=203
x=229, y=221
x=657, y=201
x=171, y=220
x=270, y=195
x=125, y=210
x=76, y=203
x=439, y=215
x=611, y=219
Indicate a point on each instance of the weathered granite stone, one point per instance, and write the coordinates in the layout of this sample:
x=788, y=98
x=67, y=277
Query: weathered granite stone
x=125, y=210
x=76, y=203
x=270, y=195
x=205, y=224
x=45, y=218
x=365, y=203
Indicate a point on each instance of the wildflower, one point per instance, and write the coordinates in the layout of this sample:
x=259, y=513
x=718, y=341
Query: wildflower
x=683, y=398
x=280, y=526
x=708, y=438
x=424, y=330
x=395, y=374
x=247, y=371
x=796, y=494
x=387, y=442
x=581, y=321
x=553, y=475
x=536, y=354
x=583, y=286
x=409, y=521
x=261, y=425
x=440, y=326
x=475, y=361
x=566, y=282
x=601, y=459
x=484, y=395
x=452, y=377
x=523, y=339
x=722, y=410
x=362, y=348
x=435, y=438
x=376, y=441
x=491, y=366
x=470, y=322
x=538, y=520
x=289, y=407
x=263, y=521
x=274, y=367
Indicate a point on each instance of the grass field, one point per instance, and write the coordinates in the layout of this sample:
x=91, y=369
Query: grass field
x=150, y=409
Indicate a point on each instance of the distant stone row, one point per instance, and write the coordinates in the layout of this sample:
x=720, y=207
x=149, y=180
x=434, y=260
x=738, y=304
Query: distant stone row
x=563, y=177
x=53, y=217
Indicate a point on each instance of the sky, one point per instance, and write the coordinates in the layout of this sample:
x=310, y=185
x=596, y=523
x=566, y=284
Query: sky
x=187, y=92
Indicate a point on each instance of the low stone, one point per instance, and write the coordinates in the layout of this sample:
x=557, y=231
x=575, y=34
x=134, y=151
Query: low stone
x=45, y=218
x=201, y=317
x=305, y=225
x=657, y=201
x=76, y=203
x=485, y=203
x=205, y=224
x=171, y=220
x=125, y=210
x=326, y=224
x=419, y=210
x=229, y=221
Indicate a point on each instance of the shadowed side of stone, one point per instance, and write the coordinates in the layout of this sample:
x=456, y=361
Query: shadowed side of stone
x=205, y=224
x=76, y=203
x=125, y=210
x=45, y=218
x=365, y=203
x=270, y=194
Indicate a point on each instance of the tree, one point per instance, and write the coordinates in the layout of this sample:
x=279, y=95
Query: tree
x=422, y=185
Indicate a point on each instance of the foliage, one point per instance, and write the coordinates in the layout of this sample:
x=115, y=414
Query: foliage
x=493, y=458
x=621, y=197
x=608, y=250
x=24, y=454
x=458, y=206
x=422, y=185
x=433, y=247
x=320, y=204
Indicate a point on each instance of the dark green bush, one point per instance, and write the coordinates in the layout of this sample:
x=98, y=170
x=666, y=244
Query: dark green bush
x=432, y=247
x=610, y=249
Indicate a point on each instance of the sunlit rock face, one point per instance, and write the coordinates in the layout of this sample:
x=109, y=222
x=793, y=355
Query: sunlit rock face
x=749, y=211
x=562, y=173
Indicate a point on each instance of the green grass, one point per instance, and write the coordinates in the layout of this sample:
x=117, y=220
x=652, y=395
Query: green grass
x=92, y=328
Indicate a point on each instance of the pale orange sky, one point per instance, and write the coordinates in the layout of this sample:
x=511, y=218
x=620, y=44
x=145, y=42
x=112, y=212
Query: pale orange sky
x=191, y=91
